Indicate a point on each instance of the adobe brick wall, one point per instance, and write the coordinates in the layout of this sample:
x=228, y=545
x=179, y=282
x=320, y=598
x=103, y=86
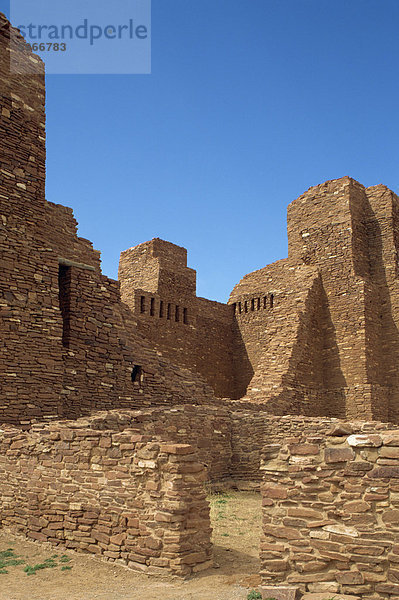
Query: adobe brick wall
x=110, y=493
x=331, y=514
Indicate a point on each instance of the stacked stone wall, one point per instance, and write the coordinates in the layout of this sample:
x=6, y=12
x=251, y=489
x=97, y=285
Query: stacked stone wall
x=68, y=344
x=331, y=513
x=115, y=494
x=193, y=332
x=207, y=429
x=257, y=436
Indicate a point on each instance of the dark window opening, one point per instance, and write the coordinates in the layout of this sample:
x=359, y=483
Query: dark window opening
x=168, y=312
x=235, y=307
x=253, y=304
x=161, y=309
x=137, y=373
x=152, y=307
x=258, y=304
x=64, y=297
x=246, y=306
x=185, y=316
x=177, y=314
x=265, y=302
x=271, y=300
x=239, y=307
x=142, y=304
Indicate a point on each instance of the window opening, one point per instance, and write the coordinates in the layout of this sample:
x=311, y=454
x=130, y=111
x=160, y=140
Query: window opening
x=64, y=297
x=137, y=373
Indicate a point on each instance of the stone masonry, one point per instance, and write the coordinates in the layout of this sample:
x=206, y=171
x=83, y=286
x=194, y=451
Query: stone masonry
x=331, y=514
x=313, y=334
x=116, y=494
x=68, y=345
x=119, y=399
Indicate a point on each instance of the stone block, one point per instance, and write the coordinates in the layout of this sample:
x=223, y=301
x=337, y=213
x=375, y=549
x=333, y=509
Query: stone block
x=365, y=440
x=280, y=592
x=180, y=449
x=335, y=455
x=340, y=430
x=384, y=473
x=274, y=491
x=350, y=577
x=304, y=449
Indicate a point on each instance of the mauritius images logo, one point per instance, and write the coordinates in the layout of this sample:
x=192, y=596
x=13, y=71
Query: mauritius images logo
x=86, y=37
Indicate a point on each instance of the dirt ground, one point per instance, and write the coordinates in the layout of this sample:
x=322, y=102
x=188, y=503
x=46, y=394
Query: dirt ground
x=236, y=520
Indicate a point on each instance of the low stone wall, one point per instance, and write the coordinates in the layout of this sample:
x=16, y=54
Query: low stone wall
x=331, y=514
x=228, y=440
x=116, y=494
x=251, y=430
x=206, y=428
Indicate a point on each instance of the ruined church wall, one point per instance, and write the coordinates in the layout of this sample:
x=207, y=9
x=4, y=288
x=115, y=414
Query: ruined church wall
x=193, y=332
x=228, y=440
x=330, y=514
x=68, y=344
x=114, y=494
x=330, y=226
x=30, y=359
x=207, y=429
x=257, y=437
x=22, y=128
x=383, y=228
x=279, y=339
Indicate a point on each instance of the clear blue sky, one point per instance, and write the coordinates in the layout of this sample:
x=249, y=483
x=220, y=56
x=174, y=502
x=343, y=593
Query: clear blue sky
x=249, y=103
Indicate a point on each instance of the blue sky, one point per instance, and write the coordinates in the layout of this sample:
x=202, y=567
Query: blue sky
x=249, y=103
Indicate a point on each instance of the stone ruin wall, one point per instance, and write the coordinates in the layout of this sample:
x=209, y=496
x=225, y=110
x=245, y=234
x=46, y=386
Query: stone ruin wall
x=328, y=345
x=129, y=485
x=350, y=233
x=194, y=332
x=313, y=334
x=68, y=344
x=331, y=514
x=115, y=494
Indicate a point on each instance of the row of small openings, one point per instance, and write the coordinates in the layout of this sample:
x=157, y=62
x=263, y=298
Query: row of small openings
x=254, y=304
x=171, y=311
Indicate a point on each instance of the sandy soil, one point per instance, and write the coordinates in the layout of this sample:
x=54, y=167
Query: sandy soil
x=236, y=522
